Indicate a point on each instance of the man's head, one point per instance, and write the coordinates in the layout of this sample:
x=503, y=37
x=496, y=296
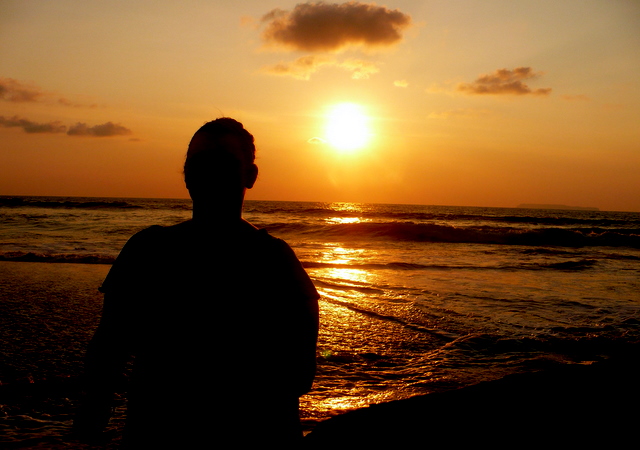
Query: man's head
x=220, y=161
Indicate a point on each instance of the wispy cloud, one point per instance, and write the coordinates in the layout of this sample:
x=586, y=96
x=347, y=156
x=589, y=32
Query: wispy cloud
x=103, y=130
x=504, y=82
x=79, y=129
x=32, y=127
x=329, y=27
x=15, y=91
x=574, y=98
x=66, y=102
x=459, y=113
x=401, y=83
x=302, y=68
x=360, y=69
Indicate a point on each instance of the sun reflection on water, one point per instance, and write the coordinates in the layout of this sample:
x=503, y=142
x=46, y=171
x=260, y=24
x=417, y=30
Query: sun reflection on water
x=344, y=220
x=356, y=208
x=346, y=402
x=342, y=255
x=357, y=363
x=358, y=276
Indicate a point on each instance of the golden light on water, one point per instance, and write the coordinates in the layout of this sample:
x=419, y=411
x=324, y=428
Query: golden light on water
x=342, y=255
x=353, y=275
x=353, y=208
x=344, y=220
x=347, y=127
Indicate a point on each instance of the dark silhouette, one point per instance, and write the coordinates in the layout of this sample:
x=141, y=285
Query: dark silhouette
x=221, y=319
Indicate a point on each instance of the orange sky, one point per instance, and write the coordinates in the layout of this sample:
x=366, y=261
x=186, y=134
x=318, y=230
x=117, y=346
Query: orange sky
x=480, y=103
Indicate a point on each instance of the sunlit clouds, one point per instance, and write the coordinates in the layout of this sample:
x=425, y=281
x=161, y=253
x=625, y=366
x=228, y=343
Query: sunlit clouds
x=323, y=29
x=459, y=113
x=465, y=104
x=504, y=82
x=316, y=141
x=332, y=26
x=303, y=67
x=360, y=70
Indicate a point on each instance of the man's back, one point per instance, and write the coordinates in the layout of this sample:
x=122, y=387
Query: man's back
x=223, y=328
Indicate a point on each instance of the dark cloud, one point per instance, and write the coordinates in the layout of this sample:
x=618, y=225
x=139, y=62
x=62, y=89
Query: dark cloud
x=104, y=130
x=504, y=82
x=14, y=91
x=79, y=129
x=32, y=127
x=333, y=26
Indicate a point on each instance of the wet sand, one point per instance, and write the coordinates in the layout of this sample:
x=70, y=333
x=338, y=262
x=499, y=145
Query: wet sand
x=566, y=406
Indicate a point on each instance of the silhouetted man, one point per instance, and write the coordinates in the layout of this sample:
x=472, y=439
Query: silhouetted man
x=221, y=318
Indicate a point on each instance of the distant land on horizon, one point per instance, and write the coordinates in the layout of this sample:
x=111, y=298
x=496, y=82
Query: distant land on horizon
x=553, y=206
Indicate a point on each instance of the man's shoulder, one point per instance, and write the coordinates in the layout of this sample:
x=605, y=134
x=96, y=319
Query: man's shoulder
x=274, y=243
x=148, y=234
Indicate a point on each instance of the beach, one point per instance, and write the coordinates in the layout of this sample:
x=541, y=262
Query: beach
x=416, y=300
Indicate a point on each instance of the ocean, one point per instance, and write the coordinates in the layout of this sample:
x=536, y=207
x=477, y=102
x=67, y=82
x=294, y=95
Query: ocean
x=415, y=299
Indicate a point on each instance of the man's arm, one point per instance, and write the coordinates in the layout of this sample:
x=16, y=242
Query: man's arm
x=105, y=361
x=112, y=343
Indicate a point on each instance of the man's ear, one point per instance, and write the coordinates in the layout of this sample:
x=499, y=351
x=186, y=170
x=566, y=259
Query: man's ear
x=252, y=176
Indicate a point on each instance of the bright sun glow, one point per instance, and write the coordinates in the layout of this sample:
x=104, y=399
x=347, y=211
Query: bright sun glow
x=347, y=127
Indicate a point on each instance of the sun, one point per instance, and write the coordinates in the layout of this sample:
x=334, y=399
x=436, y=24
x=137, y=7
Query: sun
x=347, y=127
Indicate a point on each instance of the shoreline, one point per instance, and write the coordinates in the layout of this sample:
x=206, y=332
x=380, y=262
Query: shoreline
x=571, y=404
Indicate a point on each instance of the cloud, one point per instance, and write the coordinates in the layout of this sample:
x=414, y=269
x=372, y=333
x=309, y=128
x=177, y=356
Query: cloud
x=316, y=141
x=579, y=97
x=457, y=113
x=103, y=130
x=65, y=102
x=14, y=91
x=32, y=127
x=79, y=129
x=333, y=27
x=401, y=83
x=360, y=70
x=504, y=82
x=303, y=67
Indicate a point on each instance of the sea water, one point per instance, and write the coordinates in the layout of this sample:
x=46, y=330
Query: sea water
x=415, y=299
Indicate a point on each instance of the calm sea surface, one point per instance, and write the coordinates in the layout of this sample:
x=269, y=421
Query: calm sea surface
x=415, y=299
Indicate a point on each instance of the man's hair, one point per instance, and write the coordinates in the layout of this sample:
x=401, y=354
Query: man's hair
x=215, y=133
x=226, y=126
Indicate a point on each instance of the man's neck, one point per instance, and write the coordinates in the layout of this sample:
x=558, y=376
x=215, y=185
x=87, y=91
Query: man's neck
x=219, y=217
